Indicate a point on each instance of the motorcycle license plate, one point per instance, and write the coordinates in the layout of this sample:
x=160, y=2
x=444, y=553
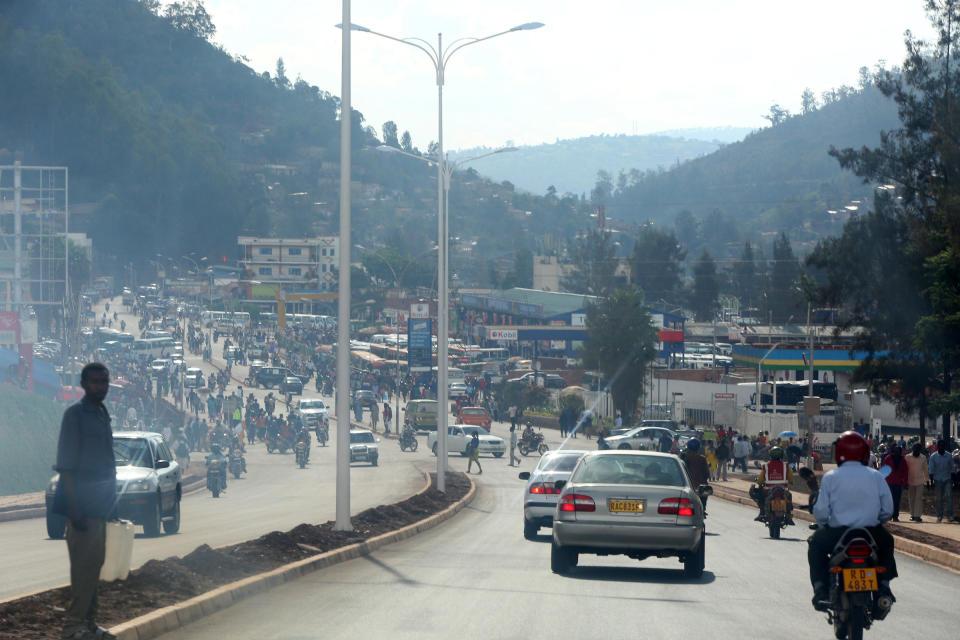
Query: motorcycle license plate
x=625, y=506
x=778, y=505
x=860, y=579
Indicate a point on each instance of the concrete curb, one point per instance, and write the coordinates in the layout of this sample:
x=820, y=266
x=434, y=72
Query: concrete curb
x=179, y=615
x=919, y=550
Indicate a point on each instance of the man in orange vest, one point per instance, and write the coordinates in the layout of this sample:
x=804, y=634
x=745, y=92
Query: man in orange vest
x=775, y=473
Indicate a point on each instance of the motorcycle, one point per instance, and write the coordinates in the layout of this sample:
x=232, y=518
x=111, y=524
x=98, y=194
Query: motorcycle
x=533, y=442
x=408, y=440
x=301, y=453
x=323, y=434
x=275, y=442
x=776, y=509
x=216, y=475
x=855, y=599
x=237, y=464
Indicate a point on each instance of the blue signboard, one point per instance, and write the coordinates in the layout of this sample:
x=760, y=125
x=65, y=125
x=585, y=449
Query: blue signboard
x=419, y=344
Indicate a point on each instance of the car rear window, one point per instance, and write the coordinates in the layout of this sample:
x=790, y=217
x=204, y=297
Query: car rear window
x=620, y=469
x=561, y=462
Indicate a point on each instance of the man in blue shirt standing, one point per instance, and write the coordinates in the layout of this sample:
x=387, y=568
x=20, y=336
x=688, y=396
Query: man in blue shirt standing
x=941, y=469
x=86, y=494
x=852, y=495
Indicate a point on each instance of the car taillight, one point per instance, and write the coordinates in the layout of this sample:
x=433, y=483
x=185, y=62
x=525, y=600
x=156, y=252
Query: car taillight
x=577, y=502
x=676, y=506
x=544, y=488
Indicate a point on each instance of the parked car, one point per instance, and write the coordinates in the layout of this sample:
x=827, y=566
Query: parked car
x=161, y=366
x=363, y=447
x=366, y=397
x=477, y=416
x=634, y=503
x=291, y=384
x=554, y=381
x=640, y=438
x=421, y=415
x=269, y=377
x=193, y=378
x=459, y=435
x=148, y=485
x=540, y=495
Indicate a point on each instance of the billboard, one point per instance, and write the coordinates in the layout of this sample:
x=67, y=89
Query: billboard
x=419, y=344
x=501, y=334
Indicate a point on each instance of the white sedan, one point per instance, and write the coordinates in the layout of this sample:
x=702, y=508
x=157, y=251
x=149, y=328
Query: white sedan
x=459, y=435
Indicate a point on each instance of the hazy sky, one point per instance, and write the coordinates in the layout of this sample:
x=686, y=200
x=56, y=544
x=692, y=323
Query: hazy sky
x=603, y=66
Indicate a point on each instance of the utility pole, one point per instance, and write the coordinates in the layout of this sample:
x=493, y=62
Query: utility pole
x=343, y=301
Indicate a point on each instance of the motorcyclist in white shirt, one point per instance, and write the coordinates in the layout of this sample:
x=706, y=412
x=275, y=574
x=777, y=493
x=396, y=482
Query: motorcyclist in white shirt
x=852, y=495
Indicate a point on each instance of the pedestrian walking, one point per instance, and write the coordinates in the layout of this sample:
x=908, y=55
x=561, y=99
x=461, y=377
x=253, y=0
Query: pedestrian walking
x=514, y=458
x=741, y=449
x=941, y=467
x=564, y=425
x=473, y=450
x=917, y=473
x=85, y=495
x=374, y=416
x=723, y=457
x=897, y=479
x=512, y=414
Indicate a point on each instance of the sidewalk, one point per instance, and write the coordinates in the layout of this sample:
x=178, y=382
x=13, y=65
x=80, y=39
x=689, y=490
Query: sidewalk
x=932, y=542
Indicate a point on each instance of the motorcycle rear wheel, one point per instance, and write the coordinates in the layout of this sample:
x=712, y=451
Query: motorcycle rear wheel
x=522, y=447
x=855, y=623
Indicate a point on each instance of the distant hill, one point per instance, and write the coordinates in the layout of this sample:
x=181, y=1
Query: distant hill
x=725, y=135
x=571, y=166
x=779, y=178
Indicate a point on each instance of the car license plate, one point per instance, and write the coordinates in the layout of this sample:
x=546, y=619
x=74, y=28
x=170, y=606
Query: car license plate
x=778, y=505
x=860, y=579
x=625, y=506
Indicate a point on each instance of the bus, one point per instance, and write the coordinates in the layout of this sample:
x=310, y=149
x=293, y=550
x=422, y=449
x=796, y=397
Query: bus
x=496, y=354
x=152, y=347
x=225, y=320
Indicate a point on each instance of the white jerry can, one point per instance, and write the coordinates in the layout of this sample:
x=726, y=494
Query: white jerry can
x=119, y=550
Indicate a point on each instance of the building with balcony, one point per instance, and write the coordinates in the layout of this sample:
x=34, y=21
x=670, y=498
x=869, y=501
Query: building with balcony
x=291, y=263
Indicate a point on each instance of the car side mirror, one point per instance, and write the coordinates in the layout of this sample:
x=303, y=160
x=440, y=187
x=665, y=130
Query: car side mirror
x=524, y=475
x=162, y=464
x=559, y=485
x=705, y=490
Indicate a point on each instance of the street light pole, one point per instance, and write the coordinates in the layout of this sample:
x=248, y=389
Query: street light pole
x=342, y=400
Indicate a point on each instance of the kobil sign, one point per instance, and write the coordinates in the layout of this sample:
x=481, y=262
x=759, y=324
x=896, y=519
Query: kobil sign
x=502, y=334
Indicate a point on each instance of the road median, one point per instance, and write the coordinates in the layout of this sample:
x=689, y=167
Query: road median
x=165, y=595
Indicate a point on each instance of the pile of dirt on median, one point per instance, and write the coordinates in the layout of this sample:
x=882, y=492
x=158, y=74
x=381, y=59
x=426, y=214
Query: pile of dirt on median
x=161, y=583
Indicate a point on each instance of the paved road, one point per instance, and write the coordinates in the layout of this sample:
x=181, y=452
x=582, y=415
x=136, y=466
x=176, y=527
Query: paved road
x=274, y=494
x=476, y=577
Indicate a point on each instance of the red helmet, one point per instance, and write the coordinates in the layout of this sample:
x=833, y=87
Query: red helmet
x=851, y=446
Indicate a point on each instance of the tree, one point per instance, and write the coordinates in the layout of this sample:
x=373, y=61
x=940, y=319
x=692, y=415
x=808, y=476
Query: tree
x=523, y=268
x=593, y=264
x=280, y=77
x=603, y=189
x=911, y=324
x=390, y=134
x=808, y=101
x=706, y=289
x=777, y=115
x=192, y=17
x=657, y=264
x=687, y=228
x=743, y=277
x=784, y=297
x=621, y=344
x=406, y=142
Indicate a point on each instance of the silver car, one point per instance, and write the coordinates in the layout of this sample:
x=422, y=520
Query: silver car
x=633, y=503
x=540, y=495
